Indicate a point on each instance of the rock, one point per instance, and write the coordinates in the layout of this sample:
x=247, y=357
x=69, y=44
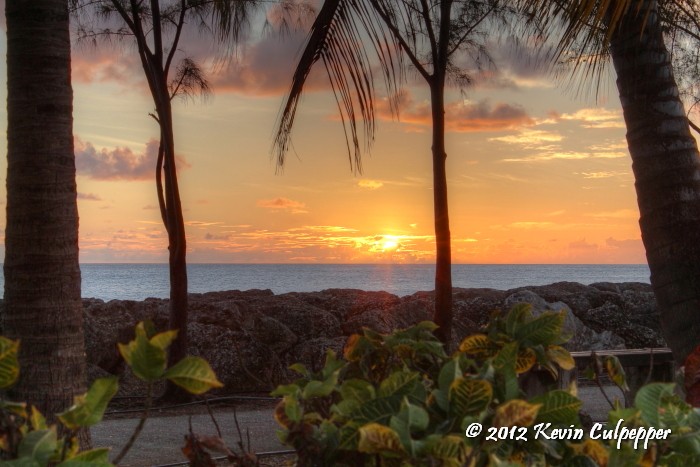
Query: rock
x=251, y=337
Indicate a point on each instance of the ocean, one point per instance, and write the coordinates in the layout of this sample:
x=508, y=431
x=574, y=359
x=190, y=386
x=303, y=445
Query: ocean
x=140, y=281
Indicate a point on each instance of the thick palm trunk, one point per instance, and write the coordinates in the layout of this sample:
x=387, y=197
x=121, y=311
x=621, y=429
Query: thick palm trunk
x=443, y=261
x=42, y=276
x=666, y=166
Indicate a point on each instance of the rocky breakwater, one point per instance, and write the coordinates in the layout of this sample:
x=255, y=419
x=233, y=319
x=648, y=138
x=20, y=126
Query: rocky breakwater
x=251, y=337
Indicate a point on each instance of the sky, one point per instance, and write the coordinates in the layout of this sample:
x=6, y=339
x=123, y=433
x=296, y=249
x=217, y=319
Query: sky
x=537, y=172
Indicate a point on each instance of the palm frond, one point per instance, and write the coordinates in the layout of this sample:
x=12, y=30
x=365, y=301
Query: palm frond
x=335, y=39
x=582, y=30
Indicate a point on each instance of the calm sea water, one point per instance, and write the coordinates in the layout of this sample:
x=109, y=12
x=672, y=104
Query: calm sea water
x=139, y=281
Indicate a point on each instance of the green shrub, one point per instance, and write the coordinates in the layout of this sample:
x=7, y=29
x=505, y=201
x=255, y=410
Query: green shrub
x=27, y=440
x=398, y=399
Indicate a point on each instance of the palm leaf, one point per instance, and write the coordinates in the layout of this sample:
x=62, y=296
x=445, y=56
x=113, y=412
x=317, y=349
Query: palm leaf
x=336, y=39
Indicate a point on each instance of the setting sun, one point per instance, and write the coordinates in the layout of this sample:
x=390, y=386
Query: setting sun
x=389, y=245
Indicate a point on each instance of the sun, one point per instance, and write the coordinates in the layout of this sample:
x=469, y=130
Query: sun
x=389, y=245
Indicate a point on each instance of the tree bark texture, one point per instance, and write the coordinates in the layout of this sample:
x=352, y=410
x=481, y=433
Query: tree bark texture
x=443, y=242
x=443, y=249
x=42, y=277
x=666, y=167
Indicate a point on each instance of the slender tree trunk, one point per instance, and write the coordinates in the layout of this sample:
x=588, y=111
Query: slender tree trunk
x=177, y=246
x=443, y=262
x=443, y=242
x=666, y=166
x=42, y=277
x=177, y=243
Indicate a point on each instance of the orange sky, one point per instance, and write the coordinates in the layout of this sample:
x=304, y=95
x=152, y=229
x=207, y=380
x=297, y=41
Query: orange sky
x=535, y=174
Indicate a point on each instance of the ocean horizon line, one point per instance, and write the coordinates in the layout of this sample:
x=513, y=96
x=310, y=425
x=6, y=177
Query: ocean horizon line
x=364, y=264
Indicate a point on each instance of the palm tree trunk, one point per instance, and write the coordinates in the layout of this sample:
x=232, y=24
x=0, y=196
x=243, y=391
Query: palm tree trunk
x=666, y=167
x=43, y=306
x=443, y=261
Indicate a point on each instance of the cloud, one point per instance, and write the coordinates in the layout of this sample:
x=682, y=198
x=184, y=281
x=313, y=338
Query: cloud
x=596, y=118
x=601, y=175
x=266, y=68
x=530, y=137
x=583, y=245
x=89, y=197
x=120, y=163
x=283, y=204
x=619, y=214
x=565, y=155
x=531, y=225
x=627, y=244
x=462, y=116
x=370, y=184
x=105, y=63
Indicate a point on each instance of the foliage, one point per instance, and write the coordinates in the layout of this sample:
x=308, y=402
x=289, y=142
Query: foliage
x=26, y=439
x=398, y=399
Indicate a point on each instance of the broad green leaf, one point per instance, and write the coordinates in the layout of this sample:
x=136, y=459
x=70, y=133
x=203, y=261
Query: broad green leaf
x=38, y=445
x=301, y=369
x=688, y=445
x=37, y=420
x=415, y=417
x=448, y=373
x=285, y=389
x=93, y=458
x=519, y=314
x=561, y=357
x=478, y=345
x=543, y=330
x=469, y=396
x=558, y=407
x=378, y=439
x=378, y=410
x=146, y=360
x=9, y=366
x=515, y=412
x=317, y=388
x=89, y=408
x=506, y=357
x=400, y=383
x=332, y=364
x=292, y=410
x=22, y=462
x=410, y=419
x=146, y=328
x=357, y=390
x=615, y=371
x=525, y=360
x=164, y=339
x=452, y=450
x=194, y=375
x=649, y=398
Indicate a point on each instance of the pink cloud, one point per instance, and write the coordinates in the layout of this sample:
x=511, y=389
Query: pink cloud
x=462, y=116
x=89, y=197
x=120, y=163
x=266, y=68
x=283, y=204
